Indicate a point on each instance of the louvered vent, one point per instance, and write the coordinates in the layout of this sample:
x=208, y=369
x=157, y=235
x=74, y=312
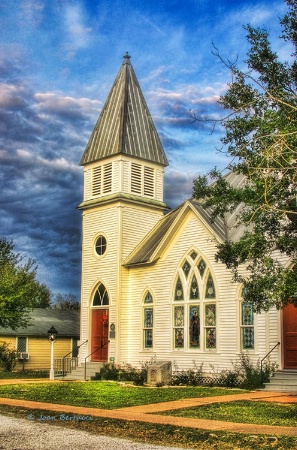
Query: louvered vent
x=107, y=178
x=136, y=178
x=97, y=178
x=149, y=181
x=102, y=179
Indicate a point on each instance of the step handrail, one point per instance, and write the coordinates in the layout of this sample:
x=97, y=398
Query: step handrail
x=63, y=359
x=261, y=364
x=97, y=348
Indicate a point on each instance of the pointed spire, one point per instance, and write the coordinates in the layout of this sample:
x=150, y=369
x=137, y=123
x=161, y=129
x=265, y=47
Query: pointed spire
x=125, y=124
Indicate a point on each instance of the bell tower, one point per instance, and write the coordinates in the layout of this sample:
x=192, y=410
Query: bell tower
x=123, y=199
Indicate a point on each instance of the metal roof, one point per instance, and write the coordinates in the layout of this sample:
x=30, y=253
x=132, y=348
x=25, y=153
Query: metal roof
x=65, y=322
x=224, y=229
x=125, y=124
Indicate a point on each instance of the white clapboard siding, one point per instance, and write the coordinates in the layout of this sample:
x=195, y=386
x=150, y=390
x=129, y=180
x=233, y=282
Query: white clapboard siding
x=124, y=226
x=160, y=279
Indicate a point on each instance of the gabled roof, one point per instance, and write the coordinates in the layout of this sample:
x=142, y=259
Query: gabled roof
x=149, y=250
x=125, y=124
x=65, y=322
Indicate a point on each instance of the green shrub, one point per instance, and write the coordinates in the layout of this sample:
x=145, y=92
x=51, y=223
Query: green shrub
x=243, y=375
x=8, y=357
x=126, y=372
x=250, y=376
x=109, y=371
x=190, y=377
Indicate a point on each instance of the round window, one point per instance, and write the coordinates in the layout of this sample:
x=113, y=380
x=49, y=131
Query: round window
x=100, y=245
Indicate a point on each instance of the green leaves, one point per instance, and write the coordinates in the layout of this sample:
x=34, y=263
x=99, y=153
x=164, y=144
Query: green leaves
x=19, y=289
x=261, y=139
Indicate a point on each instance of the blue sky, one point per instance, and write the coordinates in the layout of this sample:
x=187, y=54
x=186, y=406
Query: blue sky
x=58, y=60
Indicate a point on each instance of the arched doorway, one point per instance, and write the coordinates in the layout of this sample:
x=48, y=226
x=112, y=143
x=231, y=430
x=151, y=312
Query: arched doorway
x=100, y=313
x=290, y=336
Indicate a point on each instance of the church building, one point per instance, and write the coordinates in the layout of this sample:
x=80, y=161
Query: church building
x=151, y=287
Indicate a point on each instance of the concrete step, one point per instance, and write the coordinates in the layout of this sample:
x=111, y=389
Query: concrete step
x=283, y=380
x=92, y=369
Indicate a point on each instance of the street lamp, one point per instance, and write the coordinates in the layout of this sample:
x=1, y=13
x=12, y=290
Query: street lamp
x=52, y=335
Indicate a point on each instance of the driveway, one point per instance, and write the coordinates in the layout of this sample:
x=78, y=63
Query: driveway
x=25, y=434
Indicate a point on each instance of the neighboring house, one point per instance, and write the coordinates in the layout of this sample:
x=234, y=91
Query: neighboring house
x=151, y=286
x=33, y=344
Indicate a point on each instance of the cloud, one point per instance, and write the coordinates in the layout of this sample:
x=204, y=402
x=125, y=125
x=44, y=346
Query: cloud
x=43, y=135
x=78, y=34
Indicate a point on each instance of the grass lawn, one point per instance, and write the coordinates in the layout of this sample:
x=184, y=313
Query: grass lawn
x=111, y=395
x=107, y=395
x=243, y=412
x=166, y=435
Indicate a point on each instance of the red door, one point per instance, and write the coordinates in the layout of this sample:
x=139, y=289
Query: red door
x=99, y=335
x=290, y=336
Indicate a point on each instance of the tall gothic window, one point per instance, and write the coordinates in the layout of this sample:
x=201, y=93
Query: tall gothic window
x=194, y=305
x=247, y=331
x=148, y=321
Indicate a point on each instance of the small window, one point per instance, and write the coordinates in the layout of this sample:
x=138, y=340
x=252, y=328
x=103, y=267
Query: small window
x=21, y=344
x=74, y=348
x=100, y=245
x=247, y=326
x=148, y=321
x=101, y=296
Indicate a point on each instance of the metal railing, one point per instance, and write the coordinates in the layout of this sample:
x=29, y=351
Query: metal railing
x=66, y=365
x=94, y=351
x=266, y=356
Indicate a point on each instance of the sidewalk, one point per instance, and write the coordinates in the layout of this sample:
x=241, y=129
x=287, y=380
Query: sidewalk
x=149, y=413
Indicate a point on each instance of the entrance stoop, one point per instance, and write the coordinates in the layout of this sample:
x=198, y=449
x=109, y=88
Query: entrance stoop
x=283, y=380
x=92, y=369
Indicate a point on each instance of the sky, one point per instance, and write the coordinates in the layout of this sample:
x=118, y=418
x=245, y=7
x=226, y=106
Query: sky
x=58, y=61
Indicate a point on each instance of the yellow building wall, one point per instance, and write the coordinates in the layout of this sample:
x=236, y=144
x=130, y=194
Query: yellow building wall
x=39, y=350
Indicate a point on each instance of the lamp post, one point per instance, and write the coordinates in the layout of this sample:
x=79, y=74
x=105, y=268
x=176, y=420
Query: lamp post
x=52, y=335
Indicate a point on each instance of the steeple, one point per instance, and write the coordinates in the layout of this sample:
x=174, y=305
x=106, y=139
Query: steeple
x=125, y=125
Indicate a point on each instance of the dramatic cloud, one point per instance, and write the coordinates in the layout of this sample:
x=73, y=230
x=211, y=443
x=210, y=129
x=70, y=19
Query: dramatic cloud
x=58, y=60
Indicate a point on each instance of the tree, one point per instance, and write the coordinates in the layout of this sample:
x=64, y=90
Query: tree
x=19, y=289
x=261, y=139
x=66, y=302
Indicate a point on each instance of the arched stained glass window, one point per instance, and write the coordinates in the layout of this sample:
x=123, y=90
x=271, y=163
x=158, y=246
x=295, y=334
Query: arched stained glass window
x=194, y=319
x=101, y=296
x=179, y=292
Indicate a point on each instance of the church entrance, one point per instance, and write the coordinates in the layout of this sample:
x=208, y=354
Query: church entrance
x=290, y=336
x=99, y=342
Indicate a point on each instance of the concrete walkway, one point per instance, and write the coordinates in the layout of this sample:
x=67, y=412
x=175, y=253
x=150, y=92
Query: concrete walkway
x=149, y=413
